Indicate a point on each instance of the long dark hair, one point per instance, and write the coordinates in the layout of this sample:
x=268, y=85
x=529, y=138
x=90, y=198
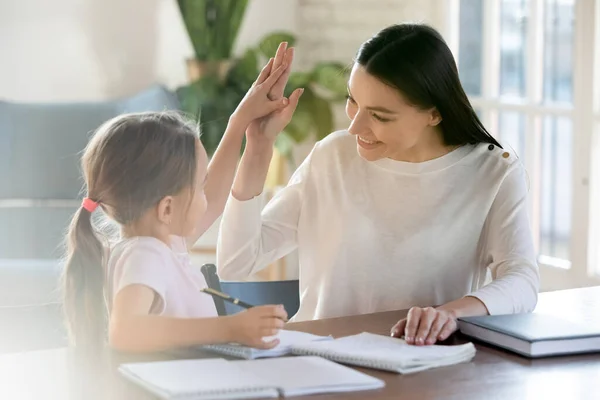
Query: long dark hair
x=415, y=59
x=129, y=165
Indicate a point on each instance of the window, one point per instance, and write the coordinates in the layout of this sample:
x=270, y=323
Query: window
x=528, y=68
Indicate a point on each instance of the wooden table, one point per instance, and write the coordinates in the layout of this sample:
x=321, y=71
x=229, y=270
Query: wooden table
x=493, y=374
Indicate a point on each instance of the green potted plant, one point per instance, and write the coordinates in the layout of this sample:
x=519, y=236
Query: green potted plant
x=212, y=26
x=222, y=81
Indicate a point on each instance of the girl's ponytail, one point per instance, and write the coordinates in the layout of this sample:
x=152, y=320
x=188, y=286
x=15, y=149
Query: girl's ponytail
x=83, y=283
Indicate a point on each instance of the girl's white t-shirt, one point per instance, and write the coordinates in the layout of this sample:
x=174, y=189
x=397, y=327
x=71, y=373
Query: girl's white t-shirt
x=168, y=271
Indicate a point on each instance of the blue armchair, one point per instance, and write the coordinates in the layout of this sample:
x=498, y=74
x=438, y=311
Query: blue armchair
x=40, y=146
x=285, y=292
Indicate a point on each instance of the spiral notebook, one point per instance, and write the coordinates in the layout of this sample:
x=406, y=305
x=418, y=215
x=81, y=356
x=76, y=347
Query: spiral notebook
x=246, y=379
x=287, y=340
x=387, y=353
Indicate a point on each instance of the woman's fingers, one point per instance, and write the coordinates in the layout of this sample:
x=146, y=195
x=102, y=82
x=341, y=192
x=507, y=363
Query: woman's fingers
x=425, y=326
x=428, y=315
x=398, y=329
x=436, y=328
x=288, y=111
x=412, y=324
x=448, y=329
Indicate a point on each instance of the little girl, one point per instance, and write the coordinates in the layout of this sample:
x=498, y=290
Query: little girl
x=149, y=173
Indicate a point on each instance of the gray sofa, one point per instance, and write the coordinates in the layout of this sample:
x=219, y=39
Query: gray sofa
x=40, y=187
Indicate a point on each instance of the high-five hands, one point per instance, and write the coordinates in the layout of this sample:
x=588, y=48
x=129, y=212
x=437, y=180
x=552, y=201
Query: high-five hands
x=269, y=126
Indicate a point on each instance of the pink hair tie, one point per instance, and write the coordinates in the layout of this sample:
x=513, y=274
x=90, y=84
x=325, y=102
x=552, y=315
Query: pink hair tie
x=89, y=204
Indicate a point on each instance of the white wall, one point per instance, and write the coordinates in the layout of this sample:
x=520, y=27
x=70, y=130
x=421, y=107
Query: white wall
x=334, y=29
x=71, y=50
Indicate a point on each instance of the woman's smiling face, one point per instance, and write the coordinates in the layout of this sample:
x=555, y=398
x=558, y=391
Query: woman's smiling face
x=384, y=123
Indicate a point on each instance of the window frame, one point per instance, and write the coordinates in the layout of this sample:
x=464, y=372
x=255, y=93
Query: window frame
x=584, y=268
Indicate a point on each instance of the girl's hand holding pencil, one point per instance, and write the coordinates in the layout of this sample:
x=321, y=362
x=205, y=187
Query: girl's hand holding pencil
x=249, y=327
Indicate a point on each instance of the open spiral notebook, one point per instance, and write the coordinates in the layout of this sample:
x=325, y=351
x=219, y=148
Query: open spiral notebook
x=246, y=379
x=386, y=353
x=365, y=350
x=287, y=340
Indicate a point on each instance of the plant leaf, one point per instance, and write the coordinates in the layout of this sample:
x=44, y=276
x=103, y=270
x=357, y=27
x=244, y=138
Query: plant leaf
x=332, y=76
x=297, y=80
x=212, y=26
x=214, y=103
x=268, y=45
x=244, y=71
x=235, y=20
x=193, y=13
x=322, y=116
x=191, y=99
x=313, y=116
x=229, y=16
x=302, y=124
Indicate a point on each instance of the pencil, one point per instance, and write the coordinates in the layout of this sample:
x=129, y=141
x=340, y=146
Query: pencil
x=226, y=297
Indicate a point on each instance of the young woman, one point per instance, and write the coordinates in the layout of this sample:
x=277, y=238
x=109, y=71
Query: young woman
x=412, y=206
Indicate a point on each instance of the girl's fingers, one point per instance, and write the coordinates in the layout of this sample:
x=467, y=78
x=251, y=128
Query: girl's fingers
x=269, y=332
x=267, y=345
x=264, y=73
x=280, y=55
x=278, y=88
x=275, y=75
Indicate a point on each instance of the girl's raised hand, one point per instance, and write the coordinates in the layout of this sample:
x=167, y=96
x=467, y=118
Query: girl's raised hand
x=268, y=127
x=256, y=103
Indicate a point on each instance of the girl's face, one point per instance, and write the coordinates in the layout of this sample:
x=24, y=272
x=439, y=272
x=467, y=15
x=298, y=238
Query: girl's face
x=384, y=123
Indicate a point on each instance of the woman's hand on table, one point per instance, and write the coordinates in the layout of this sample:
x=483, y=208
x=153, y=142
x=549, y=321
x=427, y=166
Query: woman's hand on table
x=425, y=326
